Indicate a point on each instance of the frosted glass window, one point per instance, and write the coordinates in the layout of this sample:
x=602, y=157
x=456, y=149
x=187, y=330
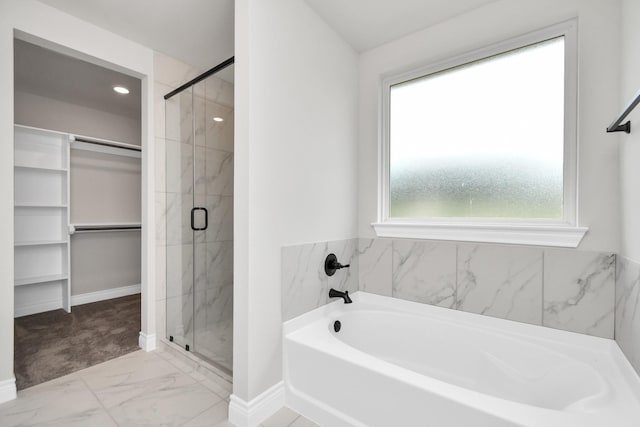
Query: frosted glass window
x=481, y=140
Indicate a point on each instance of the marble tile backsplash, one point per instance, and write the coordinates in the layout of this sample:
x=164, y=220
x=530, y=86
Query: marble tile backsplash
x=347, y=253
x=579, y=291
x=305, y=285
x=424, y=272
x=500, y=281
x=375, y=261
x=560, y=288
x=627, y=309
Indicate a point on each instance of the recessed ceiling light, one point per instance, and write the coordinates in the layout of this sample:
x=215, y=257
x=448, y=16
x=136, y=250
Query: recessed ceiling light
x=218, y=119
x=121, y=89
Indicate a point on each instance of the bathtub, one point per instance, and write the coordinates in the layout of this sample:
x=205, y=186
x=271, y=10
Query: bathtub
x=396, y=363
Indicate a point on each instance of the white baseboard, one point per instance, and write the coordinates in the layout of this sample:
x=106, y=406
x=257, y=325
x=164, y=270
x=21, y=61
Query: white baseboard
x=147, y=342
x=8, y=390
x=105, y=295
x=254, y=412
x=55, y=304
x=38, y=307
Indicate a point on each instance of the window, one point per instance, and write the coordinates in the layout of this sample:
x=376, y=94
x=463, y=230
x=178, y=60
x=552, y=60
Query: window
x=482, y=147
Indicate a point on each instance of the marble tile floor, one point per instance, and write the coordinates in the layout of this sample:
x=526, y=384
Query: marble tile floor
x=150, y=389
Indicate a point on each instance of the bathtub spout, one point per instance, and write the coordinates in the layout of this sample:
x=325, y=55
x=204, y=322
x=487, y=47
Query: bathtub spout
x=337, y=294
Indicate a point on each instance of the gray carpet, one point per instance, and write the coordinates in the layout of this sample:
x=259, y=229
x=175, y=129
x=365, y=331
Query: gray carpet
x=52, y=344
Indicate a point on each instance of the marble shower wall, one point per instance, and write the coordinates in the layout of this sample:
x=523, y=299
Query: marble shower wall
x=169, y=73
x=563, y=289
x=628, y=309
x=213, y=331
x=305, y=286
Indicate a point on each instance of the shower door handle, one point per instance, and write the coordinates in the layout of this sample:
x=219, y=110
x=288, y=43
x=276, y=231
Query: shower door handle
x=193, y=219
x=206, y=218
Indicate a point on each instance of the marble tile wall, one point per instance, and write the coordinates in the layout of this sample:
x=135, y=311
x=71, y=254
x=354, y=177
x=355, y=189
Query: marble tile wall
x=627, y=311
x=305, y=285
x=500, y=281
x=579, y=292
x=560, y=288
x=424, y=272
x=213, y=331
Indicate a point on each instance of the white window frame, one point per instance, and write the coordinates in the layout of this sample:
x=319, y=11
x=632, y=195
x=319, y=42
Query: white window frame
x=562, y=233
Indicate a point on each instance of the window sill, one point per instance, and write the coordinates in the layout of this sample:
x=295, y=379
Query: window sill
x=539, y=235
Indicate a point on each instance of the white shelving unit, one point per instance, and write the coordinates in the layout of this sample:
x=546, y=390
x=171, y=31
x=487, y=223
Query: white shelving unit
x=41, y=236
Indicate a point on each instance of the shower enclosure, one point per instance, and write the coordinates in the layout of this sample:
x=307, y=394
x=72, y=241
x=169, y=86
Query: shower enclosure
x=199, y=216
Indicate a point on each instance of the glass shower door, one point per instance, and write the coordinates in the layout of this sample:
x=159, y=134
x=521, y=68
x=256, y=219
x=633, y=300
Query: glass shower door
x=199, y=218
x=213, y=116
x=179, y=204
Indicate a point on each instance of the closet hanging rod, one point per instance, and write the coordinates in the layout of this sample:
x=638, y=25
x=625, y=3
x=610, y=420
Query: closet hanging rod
x=96, y=228
x=106, y=143
x=201, y=77
x=626, y=127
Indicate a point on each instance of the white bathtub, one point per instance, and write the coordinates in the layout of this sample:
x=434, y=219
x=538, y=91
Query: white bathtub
x=397, y=363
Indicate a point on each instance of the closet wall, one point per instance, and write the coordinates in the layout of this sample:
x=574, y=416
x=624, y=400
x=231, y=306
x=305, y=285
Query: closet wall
x=63, y=116
x=104, y=188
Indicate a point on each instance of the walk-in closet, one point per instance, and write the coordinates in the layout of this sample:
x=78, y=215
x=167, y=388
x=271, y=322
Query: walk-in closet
x=77, y=213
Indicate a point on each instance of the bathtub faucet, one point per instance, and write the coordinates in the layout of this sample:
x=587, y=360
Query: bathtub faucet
x=331, y=264
x=337, y=294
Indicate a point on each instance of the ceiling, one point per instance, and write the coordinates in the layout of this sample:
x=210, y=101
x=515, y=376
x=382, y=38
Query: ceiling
x=46, y=73
x=201, y=32
x=198, y=32
x=366, y=24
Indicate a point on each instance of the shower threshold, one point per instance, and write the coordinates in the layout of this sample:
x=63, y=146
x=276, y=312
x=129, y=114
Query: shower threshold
x=198, y=362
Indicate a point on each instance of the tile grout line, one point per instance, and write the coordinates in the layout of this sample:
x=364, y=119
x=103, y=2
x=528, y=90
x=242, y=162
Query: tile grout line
x=543, y=282
x=201, y=412
x=204, y=377
x=98, y=399
x=294, y=420
x=157, y=357
x=455, y=291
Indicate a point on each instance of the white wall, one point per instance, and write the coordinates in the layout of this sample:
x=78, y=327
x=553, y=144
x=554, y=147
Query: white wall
x=71, y=36
x=54, y=114
x=630, y=144
x=295, y=165
x=598, y=95
x=102, y=261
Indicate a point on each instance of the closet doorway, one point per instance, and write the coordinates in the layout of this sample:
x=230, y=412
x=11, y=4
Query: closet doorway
x=77, y=210
x=199, y=220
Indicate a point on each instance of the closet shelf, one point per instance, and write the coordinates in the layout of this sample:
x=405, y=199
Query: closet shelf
x=41, y=202
x=40, y=279
x=41, y=243
x=41, y=168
